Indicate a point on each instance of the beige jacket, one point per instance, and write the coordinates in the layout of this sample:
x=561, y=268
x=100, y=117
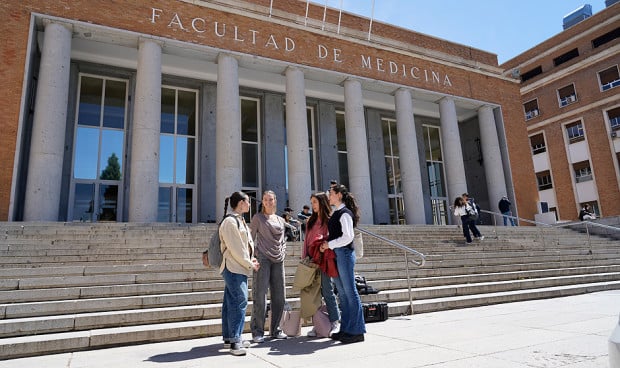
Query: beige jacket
x=237, y=246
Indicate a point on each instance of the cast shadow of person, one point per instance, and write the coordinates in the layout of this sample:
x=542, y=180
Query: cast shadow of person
x=196, y=352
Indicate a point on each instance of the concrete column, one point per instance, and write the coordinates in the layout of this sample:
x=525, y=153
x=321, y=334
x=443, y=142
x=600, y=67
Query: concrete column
x=357, y=148
x=297, y=149
x=452, y=152
x=43, y=185
x=410, y=172
x=227, y=131
x=144, y=179
x=492, y=158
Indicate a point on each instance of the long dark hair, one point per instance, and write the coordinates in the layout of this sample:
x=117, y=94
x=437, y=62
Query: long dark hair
x=323, y=212
x=349, y=201
x=459, y=202
x=234, y=200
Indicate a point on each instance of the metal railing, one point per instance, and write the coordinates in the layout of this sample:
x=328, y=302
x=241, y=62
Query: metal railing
x=588, y=225
x=419, y=263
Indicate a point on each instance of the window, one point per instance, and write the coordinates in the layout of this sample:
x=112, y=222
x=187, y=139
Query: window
x=98, y=149
x=566, y=57
x=544, y=180
x=607, y=37
x=567, y=95
x=614, y=118
x=531, y=109
x=177, y=156
x=531, y=73
x=392, y=166
x=583, y=172
x=537, y=142
x=436, y=177
x=575, y=132
x=609, y=78
x=341, y=140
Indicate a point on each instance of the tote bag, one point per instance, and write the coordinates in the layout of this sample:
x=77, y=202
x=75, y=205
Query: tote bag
x=304, y=275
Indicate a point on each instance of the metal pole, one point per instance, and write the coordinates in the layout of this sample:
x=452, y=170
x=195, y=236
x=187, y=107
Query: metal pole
x=339, y=17
x=409, y=285
x=270, y=7
x=306, y=20
x=324, y=15
x=372, y=15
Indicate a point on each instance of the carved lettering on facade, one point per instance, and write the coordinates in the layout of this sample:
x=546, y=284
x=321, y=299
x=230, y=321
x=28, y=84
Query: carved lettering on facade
x=287, y=44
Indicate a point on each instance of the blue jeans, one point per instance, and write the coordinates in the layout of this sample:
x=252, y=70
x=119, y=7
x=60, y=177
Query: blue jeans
x=512, y=221
x=234, y=305
x=270, y=276
x=327, y=291
x=469, y=224
x=352, y=315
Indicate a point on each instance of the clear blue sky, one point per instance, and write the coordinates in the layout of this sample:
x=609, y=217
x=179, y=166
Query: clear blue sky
x=506, y=28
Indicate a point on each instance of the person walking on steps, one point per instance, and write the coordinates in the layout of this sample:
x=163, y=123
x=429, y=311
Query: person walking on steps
x=238, y=262
x=504, y=208
x=468, y=215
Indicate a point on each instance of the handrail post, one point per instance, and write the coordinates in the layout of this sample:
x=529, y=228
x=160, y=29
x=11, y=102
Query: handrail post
x=589, y=242
x=409, y=284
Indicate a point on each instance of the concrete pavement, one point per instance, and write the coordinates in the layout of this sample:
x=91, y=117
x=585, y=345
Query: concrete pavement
x=561, y=332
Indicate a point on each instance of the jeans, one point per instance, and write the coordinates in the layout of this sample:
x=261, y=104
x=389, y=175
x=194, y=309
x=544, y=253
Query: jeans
x=352, y=315
x=512, y=221
x=327, y=291
x=234, y=305
x=469, y=224
x=270, y=276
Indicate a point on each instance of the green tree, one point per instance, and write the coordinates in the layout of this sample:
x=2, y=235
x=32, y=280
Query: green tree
x=113, y=170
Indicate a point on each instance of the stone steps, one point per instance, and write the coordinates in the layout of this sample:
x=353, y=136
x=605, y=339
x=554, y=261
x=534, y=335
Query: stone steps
x=69, y=287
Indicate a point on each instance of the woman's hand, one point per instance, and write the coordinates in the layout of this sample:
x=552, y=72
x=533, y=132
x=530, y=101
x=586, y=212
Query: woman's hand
x=324, y=246
x=255, y=264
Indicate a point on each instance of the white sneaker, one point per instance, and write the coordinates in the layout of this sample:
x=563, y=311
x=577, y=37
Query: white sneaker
x=236, y=349
x=482, y=238
x=244, y=344
x=335, y=328
x=311, y=333
x=258, y=339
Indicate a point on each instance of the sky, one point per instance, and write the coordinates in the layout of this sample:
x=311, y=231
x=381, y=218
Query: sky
x=506, y=28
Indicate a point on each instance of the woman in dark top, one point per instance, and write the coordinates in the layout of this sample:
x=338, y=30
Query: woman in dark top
x=341, y=223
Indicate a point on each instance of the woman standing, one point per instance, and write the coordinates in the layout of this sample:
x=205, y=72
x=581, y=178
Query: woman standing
x=463, y=209
x=268, y=229
x=237, y=264
x=340, y=225
x=316, y=234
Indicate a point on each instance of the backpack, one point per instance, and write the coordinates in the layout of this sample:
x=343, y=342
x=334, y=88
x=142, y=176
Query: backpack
x=212, y=257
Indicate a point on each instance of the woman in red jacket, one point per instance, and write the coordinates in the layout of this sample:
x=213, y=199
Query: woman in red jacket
x=316, y=234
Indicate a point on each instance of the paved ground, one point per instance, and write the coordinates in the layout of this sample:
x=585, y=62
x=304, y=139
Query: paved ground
x=562, y=332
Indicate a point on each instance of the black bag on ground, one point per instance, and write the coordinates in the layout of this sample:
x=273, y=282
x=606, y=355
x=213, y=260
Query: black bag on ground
x=362, y=286
x=375, y=312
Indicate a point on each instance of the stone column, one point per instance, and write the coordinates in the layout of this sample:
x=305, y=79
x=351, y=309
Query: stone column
x=144, y=179
x=43, y=185
x=452, y=152
x=297, y=149
x=492, y=158
x=357, y=149
x=409, y=159
x=227, y=131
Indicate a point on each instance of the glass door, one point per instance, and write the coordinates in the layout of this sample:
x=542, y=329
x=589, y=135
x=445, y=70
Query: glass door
x=98, y=150
x=177, y=155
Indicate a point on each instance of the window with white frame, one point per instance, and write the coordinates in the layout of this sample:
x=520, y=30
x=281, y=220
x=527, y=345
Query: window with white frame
x=531, y=109
x=341, y=139
x=537, y=142
x=609, y=78
x=575, y=132
x=613, y=116
x=583, y=172
x=544, y=180
x=567, y=95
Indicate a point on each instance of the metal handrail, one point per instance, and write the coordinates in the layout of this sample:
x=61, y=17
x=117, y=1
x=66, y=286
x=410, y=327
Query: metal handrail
x=557, y=225
x=407, y=251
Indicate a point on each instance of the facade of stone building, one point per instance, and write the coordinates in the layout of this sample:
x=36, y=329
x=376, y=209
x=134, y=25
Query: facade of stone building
x=570, y=93
x=148, y=111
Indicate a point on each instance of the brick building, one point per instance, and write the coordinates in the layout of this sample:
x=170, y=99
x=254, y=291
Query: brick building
x=156, y=110
x=570, y=91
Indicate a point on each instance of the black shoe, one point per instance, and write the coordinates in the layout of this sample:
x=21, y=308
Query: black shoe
x=337, y=335
x=349, y=339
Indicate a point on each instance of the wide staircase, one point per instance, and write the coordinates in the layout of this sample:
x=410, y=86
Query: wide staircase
x=76, y=286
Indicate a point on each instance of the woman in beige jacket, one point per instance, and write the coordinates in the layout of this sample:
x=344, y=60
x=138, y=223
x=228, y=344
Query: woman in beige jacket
x=238, y=262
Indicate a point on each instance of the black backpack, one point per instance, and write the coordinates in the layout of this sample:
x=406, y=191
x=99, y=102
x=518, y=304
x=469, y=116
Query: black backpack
x=212, y=257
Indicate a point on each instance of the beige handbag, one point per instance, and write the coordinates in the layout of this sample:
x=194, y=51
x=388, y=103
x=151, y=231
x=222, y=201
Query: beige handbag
x=304, y=275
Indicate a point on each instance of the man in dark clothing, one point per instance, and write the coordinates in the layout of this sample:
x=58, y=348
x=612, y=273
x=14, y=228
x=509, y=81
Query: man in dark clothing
x=303, y=217
x=504, y=208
